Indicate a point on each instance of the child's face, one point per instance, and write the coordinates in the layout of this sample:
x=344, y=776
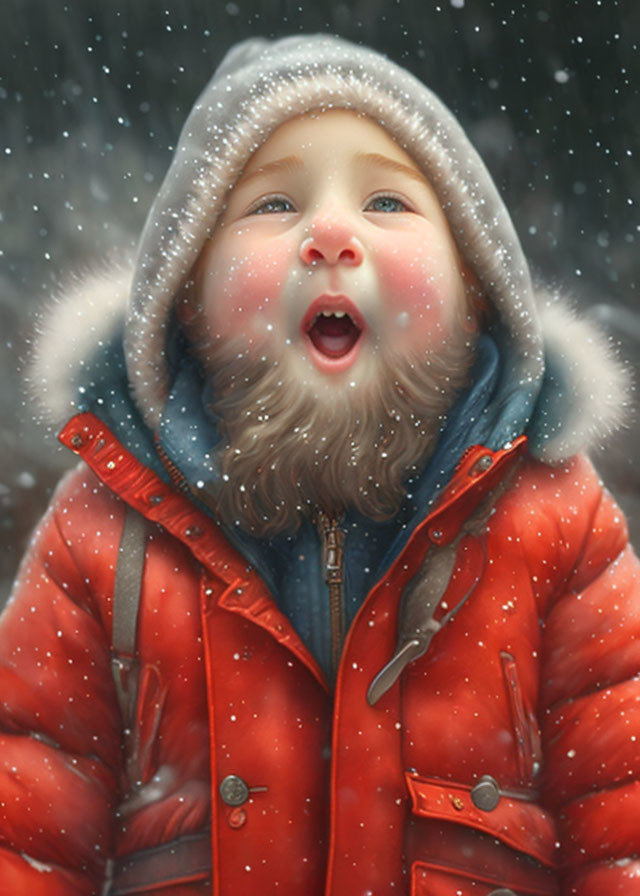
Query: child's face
x=333, y=245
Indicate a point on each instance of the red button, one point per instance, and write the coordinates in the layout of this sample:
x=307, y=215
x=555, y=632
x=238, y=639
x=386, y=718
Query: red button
x=236, y=818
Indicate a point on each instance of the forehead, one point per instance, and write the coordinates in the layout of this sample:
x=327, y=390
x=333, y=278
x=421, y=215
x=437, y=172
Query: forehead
x=330, y=131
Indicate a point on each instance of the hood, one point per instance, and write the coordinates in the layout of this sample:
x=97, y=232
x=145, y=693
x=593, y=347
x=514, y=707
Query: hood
x=556, y=380
x=259, y=85
x=111, y=344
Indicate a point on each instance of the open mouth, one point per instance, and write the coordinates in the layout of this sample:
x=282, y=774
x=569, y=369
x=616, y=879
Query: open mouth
x=333, y=329
x=334, y=333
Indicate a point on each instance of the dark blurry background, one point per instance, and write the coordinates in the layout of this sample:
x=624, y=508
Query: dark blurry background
x=93, y=94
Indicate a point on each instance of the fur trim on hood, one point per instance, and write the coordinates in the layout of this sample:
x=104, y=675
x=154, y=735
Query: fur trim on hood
x=596, y=384
x=588, y=393
x=87, y=312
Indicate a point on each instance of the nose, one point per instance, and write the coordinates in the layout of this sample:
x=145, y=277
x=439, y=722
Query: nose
x=331, y=240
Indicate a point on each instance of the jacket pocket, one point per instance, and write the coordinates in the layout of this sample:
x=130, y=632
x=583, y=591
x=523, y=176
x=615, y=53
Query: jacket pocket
x=474, y=860
x=524, y=721
x=141, y=735
x=428, y=879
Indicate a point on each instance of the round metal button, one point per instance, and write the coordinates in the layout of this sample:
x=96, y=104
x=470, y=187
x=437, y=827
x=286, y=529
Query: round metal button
x=502, y=892
x=233, y=790
x=486, y=794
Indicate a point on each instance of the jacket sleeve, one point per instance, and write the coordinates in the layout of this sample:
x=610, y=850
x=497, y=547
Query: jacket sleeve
x=591, y=693
x=59, y=720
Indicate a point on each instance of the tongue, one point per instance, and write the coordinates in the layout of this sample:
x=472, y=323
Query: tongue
x=334, y=336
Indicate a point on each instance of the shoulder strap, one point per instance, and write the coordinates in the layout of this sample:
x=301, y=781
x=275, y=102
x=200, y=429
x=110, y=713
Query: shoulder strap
x=127, y=587
x=126, y=601
x=128, y=583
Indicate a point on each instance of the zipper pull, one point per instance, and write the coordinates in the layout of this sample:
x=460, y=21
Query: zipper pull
x=332, y=559
x=332, y=542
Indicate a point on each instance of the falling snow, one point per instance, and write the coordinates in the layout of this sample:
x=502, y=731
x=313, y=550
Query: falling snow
x=496, y=664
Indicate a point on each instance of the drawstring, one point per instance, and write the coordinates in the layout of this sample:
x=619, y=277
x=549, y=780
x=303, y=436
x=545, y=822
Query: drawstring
x=419, y=627
x=422, y=596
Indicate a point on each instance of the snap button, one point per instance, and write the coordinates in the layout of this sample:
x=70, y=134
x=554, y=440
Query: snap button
x=486, y=794
x=481, y=465
x=237, y=818
x=502, y=892
x=233, y=790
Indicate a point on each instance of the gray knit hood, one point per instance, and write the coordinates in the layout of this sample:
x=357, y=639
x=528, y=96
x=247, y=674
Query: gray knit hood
x=258, y=86
x=556, y=378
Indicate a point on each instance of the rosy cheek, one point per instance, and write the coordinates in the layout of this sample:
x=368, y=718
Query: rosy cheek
x=245, y=286
x=418, y=280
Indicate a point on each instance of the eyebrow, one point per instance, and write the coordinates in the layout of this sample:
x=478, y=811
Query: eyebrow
x=295, y=163
x=374, y=158
x=289, y=163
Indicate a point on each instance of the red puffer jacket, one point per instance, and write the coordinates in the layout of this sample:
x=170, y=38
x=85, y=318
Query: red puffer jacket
x=504, y=760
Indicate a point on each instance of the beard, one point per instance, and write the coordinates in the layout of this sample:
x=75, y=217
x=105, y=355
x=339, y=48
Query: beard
x=291, y=448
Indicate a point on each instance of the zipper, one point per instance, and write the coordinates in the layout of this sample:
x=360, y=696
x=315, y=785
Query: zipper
x=332, y=540
x=176, y=476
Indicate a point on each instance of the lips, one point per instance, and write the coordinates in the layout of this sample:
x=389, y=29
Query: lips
x=333, y=327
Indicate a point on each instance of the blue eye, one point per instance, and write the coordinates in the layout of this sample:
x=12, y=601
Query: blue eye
x=386, y=203
x=274, y=205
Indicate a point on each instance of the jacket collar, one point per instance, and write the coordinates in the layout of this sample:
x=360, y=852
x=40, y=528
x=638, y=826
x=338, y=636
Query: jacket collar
x=291, y=566
x=239, y=587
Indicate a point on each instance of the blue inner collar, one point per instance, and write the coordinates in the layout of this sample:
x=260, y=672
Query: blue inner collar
x=494, y=409
x=291, y=565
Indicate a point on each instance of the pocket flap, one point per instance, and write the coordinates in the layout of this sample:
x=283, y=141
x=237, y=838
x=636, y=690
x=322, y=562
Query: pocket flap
x=521, y=824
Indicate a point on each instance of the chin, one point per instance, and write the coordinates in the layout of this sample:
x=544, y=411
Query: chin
x=358, y=378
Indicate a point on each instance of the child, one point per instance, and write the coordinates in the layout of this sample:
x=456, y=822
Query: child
x=334, y=603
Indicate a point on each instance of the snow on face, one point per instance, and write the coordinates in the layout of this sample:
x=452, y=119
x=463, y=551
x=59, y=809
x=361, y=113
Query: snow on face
x=334, y=245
